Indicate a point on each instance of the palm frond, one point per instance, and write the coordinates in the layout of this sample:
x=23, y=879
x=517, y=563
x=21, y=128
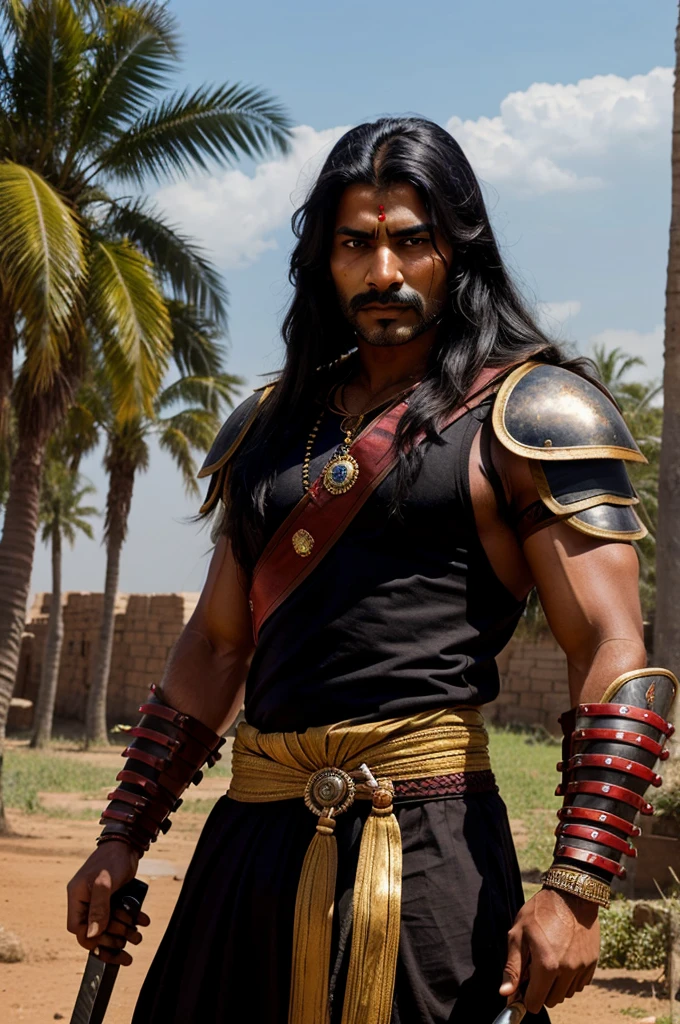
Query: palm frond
x=210, y=393
x=47, y=66
x=132, y=321
x=193, y=129
x=12, y=14
x=197, y=424
x=196, y=346
x=41, y=263
x=137, y=48
x=177, y=258
x=174, y=441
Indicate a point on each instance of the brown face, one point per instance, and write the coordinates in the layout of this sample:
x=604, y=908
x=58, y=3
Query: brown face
x=389, y=277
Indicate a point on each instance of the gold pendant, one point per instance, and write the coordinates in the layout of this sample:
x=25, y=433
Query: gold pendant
x=340, y=474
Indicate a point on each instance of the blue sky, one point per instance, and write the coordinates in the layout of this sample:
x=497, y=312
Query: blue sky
x=564, y=111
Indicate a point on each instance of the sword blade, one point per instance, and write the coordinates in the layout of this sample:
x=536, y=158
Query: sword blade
x=98, y=978
x=512, y=1014
x=95, y=991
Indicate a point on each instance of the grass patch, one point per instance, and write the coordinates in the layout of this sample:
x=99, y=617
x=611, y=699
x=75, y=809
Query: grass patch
x=526, y=776
x=29, y=772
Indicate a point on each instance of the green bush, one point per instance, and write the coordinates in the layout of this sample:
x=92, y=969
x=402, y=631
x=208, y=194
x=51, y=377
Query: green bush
x=623, y=945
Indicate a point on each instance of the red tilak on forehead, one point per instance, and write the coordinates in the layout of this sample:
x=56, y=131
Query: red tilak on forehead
x=381, y=212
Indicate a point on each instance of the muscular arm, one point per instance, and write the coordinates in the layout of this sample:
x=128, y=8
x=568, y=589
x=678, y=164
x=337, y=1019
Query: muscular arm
x=205, y=674
x=588, y=588
x=589, y=592
x=204, y=677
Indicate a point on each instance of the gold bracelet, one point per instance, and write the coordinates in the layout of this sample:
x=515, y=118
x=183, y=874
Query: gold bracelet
x=579, y=883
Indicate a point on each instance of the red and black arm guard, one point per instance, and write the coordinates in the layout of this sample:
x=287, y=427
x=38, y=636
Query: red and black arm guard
x=609, y=752
x=166, y=754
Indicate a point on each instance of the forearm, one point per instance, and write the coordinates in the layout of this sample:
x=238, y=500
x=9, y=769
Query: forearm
x=599, y=661
x=206, y=678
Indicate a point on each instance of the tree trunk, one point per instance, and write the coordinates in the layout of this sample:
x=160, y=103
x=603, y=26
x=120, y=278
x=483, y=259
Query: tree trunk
x=118, y=504
x=16, y=562
x=44, y=712
x=667, y=619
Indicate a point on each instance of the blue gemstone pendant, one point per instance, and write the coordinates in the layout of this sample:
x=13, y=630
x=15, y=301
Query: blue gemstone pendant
x=340, y=474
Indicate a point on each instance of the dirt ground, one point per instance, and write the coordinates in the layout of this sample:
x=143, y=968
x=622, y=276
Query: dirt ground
x=37, y=862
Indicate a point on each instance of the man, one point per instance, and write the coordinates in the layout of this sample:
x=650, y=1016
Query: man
x=383, y=517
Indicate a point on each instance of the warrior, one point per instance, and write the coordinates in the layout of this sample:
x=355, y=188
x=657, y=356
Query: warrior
x=426, y=459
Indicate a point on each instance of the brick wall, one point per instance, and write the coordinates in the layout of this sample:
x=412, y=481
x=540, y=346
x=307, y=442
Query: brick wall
x=146, y=627
x=533, y=673
x=534, y=686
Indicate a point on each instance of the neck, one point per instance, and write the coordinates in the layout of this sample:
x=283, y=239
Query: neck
x=382, y=366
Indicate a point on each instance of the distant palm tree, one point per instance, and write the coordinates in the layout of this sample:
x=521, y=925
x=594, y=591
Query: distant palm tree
x=63, y=515
x=185, y=418
x=667, y=620
x=78, y=266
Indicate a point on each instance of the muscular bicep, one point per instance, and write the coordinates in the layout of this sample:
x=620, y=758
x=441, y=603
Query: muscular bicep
x=589, y=592
x=222, y=613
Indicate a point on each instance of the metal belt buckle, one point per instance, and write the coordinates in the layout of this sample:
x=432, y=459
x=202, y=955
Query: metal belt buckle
x=329, y=788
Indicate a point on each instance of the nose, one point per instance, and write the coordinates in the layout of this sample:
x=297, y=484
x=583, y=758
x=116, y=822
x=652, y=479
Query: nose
x=384, y=270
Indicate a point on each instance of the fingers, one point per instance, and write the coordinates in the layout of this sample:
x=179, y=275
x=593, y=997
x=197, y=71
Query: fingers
x=100, y=905
x=110, y=956
x=512, y=972
x=568, y=984
x=78, y=903
x=541, y=979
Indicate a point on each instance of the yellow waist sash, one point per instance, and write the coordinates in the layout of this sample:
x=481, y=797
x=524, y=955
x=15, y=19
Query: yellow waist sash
x=330, y=766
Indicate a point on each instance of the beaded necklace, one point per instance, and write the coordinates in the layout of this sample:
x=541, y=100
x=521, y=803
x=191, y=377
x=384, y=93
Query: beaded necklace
x=342, y=469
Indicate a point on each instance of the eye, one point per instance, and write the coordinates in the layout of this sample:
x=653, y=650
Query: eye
x=354, y=243
x=413, y=242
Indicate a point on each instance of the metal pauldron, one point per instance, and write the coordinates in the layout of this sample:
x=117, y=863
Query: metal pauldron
x=577, y=444
x=610, y=751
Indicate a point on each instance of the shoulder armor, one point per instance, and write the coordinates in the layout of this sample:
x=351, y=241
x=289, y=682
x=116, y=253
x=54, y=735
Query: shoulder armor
x=577, y=444
x=229, y=439
x=549, y=412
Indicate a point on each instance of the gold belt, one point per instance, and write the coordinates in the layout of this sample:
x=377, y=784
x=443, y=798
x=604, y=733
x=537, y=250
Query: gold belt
x=330, y=767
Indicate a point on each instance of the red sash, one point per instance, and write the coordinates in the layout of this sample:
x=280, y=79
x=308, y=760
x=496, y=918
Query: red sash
x=324, y=517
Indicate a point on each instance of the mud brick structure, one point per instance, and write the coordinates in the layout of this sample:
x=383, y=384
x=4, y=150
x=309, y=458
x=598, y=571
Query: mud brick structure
x=146, y=627
x=534, y=687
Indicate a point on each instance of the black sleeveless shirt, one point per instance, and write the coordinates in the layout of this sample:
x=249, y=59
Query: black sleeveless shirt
x=402, y=615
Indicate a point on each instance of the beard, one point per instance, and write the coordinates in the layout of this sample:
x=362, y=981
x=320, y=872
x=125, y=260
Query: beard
x=392, y=332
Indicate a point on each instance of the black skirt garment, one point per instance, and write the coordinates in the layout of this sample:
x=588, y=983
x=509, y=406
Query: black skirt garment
x=226, y=954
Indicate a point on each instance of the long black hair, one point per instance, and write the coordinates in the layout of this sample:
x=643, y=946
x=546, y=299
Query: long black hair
x=485, y=322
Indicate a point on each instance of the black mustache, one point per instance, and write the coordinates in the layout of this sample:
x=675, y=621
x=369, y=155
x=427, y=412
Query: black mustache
x=389, y=298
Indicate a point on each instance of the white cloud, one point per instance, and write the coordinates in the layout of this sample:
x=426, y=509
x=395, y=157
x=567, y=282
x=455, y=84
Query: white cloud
x=560, y=137
x=553, y=315
x=235, y=215
x=647, y=345
x=547, y=138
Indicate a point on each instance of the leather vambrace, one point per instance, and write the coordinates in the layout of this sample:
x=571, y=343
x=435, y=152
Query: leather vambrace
x=610, y=751
x=166, y=754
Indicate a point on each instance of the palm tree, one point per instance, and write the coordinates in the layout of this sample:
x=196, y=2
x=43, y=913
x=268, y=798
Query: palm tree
x=185, y=418
x=667, y=620
x=63, y=515
x=81, y=112
x=644, y=419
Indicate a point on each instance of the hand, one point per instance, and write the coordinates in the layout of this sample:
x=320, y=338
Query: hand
x=555, y=943
x=89, y=903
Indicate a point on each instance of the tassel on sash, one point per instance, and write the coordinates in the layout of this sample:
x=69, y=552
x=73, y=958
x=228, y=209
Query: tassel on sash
x=281, y=766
